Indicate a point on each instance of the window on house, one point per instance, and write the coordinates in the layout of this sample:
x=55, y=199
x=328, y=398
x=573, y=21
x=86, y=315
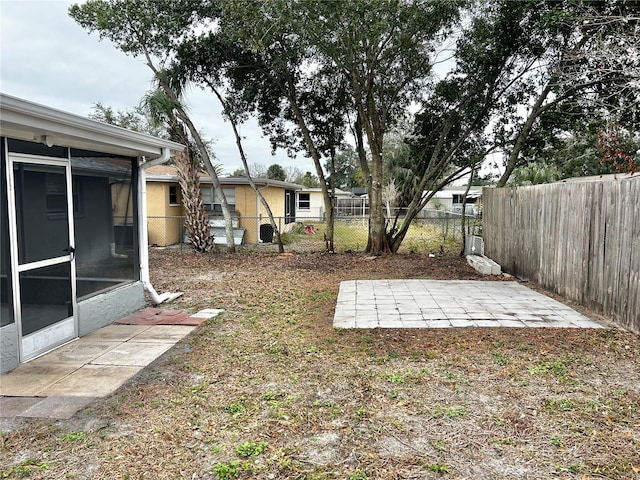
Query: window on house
x=212, y=200
x=56, y=188
x=304, y=201
x=173, y=195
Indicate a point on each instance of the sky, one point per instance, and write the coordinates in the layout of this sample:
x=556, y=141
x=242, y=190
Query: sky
x=46, y=58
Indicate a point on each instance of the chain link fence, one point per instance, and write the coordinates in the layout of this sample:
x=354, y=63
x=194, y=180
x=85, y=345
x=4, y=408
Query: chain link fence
x=437, y=231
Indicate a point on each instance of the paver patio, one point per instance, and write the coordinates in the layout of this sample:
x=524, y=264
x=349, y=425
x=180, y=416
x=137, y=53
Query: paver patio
x=61, y=382
x=449, y=304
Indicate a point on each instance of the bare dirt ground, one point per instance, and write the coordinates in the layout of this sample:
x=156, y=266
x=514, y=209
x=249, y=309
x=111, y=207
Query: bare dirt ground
x=270, y=390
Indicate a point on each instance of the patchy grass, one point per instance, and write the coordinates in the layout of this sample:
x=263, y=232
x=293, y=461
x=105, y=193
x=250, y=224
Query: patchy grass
x=270, y=390
x=434, y=235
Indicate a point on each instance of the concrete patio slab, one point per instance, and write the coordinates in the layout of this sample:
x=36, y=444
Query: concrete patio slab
x=116, y=333
x=80, y=351
x=32, y=378
x=91, y=380
x=65, y=380
x=162, y=334
x=56, y=407
x=133, y=354
x=450, y=304
x=15, y=406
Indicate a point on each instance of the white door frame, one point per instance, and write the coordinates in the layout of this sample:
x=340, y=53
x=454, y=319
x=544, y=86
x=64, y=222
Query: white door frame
x=43, y=340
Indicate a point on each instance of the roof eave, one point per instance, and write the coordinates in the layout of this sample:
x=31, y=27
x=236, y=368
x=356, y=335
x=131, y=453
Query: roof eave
x=30, y=121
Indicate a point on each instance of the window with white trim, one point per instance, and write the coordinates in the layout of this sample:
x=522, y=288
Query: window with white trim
x=212, y=200
x=304, y=201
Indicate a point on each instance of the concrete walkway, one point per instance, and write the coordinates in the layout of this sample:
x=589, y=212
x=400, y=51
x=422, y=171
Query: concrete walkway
x=450, y=304
x=61, y=382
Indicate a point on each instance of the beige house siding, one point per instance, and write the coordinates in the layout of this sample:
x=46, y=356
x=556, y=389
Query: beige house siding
x=163, y=229
x=122, y=203
x=250, y=217
x=164, y=226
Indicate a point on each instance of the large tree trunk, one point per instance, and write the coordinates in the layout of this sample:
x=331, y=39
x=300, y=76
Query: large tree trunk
x=522, y=137
x=196, y=219
x=377, y=243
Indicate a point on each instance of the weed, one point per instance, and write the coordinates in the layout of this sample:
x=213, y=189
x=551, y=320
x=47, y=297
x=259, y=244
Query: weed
x=235, y=409
x=537, y=369
x=439, y=444
x=225, y=471
x=73, y=437
x=361, y=413
x=271, y=395
x=499, y=358
x=504, y=441
x=440, y=468
x=563, y=404
x=456, y=412
x=574, y=468
x=358, y=475
x=558, y=368
x=216, y=448
x=556, y=441
x=393, y=378
x=26, y=468
x=251, y=449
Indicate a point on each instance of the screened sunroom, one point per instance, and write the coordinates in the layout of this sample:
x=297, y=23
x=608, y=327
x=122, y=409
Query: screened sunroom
x=73, y=250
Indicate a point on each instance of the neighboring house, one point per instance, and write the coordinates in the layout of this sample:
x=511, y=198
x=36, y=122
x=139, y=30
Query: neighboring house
x=73, y=238
x=310, y=203
x=250, y=219
x=451, y=198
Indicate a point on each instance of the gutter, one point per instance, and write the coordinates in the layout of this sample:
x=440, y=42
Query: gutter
x=143, y=229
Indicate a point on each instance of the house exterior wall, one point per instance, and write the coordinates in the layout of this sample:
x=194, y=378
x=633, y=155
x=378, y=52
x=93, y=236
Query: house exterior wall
x=251, y=212
x=163, y=229
x=101, y=310
x=316, y=206
x=8, y=347
x=445, y=204
x=165, y=226
x=122, y=203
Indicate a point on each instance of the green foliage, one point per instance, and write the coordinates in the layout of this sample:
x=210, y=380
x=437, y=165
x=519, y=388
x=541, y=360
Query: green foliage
x=235, y=409
x=309, y=180
x=26, y=469
x=358, y=475
x=226, y=471
x=440, y=468
x=534, y=174
x=71, y=437
x=522, y=73
x=345, y=173
x=276, y=172
x=395, y=378
x=251, y=449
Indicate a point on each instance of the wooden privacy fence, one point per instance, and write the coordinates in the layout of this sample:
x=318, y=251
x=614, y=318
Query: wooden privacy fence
x=578, y=239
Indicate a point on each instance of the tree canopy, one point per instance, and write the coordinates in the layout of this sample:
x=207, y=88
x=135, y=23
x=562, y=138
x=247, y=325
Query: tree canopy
x=339, y=81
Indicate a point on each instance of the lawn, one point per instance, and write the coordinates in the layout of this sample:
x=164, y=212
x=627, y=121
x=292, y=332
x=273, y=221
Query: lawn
x=429, y=235
x=269, y=390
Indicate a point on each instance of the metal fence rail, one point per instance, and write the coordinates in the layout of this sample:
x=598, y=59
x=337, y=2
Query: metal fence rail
x=442, y=230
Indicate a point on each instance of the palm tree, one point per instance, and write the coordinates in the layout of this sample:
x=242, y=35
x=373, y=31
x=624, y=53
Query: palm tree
x=160, y=110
